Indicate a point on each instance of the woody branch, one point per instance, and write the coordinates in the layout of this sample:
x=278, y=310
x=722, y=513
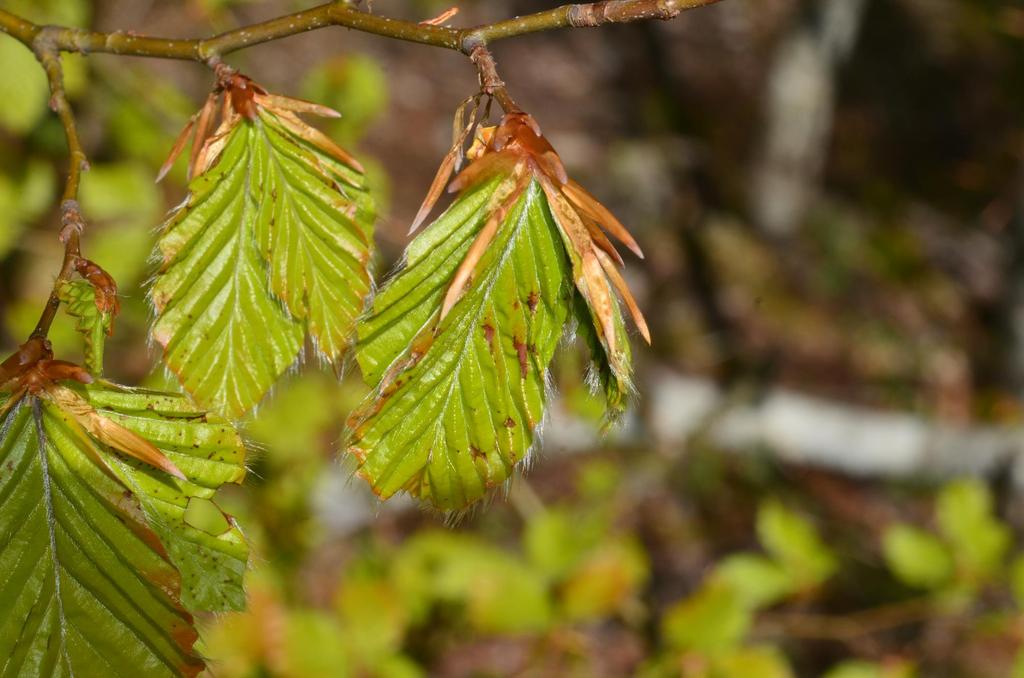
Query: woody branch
x=71, y=218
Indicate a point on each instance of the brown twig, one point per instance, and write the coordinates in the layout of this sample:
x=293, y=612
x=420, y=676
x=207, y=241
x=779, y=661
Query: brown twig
x=490, y=82
x=70, y=212
x=588, y=15
x=847, y=627
x=344, y=14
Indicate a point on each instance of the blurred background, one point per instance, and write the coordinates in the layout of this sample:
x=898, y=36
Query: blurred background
x=822, y=474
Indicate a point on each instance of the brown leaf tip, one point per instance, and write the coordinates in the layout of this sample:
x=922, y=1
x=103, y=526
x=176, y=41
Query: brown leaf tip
x=519, y=134
x=102, y=283
x=516, y=151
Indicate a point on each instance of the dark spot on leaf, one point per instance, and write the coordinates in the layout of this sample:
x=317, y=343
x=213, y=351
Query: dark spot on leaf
x=489, y=334
x=531, y=301
x=475, y=452
x=510, y=422
x=521, y=353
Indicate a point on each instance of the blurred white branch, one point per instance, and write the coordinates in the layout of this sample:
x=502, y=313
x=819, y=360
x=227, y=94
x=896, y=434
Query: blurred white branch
x=795, y=428
x=802, y=429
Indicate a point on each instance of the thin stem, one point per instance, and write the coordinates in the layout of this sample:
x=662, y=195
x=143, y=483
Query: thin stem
x=850, y=626
x=342, y=14
x=587, y=15
x=490, y=82
x=71, y=216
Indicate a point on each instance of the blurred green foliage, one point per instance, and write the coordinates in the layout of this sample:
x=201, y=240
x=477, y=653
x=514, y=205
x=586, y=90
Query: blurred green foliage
x=917, y=557
x=23, y=199
x=398, y=606
x=572, y=567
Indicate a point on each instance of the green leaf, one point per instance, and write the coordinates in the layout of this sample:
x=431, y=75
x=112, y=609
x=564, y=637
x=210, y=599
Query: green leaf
x=965, y=516
x=753, y=662
x=273, y=242
x=79, y=298
x=457, y=402
x=759, y=581
x=609, y=578
x=459, y=342
x=210, y=453
x=86, y=588
x=373, y=616
x=311, y=647
x=497, y=591
x=714, y=620
x=599, y=479
x=918, y=558
x=314, y=228
x=556, y=540
x=795, y=543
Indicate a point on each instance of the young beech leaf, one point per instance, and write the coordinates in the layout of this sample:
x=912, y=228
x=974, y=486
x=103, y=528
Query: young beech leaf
x=458, y=343
x=79, y=299
x=272, y=243
x=458, y=405
x=209, y=453
x=98, y=564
